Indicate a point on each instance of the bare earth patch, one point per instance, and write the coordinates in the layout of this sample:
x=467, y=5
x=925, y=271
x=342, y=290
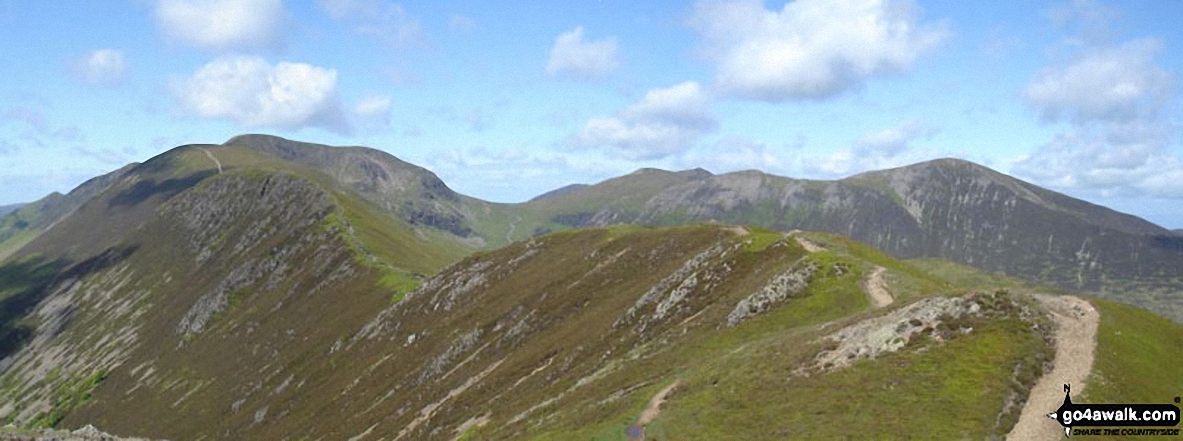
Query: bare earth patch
x=212, y=158
x=877, y=288
x=1076, y=341
x=739, y=230
x=636, y=432
x=806, y=243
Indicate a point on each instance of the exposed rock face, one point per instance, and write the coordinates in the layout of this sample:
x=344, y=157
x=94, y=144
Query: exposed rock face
x=279, y=211
x=231, y=238
x=932, y=316
x=86, y=433
x=947, y=209
x=782, y=287
x=411, y=192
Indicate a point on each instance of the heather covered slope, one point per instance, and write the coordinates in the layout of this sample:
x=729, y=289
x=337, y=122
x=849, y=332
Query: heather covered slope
x=272, y=314
x=397, y=188
x=20, y=224
x=170, y=250
x=948, y=209
x=560, y=337
x=259, y=291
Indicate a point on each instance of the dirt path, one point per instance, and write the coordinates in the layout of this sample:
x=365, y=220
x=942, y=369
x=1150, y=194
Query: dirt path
x=805, y=243
x=739, y=230
x=513, y=225
x=1076, y=341
x=636, y=432
x=212, y=158
x=877, y=288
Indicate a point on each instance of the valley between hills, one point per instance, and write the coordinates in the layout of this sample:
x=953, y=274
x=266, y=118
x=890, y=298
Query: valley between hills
x=266, y=288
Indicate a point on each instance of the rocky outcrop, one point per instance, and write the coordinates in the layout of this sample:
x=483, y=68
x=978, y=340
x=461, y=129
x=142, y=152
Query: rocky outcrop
x=935, y=316
x=785, y=285
x=85, y=433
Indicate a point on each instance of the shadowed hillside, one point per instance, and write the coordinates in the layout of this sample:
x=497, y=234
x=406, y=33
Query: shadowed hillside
x=265, y=289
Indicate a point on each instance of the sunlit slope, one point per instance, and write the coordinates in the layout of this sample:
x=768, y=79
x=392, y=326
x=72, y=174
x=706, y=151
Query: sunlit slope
x=171, y=250
x=946, y=209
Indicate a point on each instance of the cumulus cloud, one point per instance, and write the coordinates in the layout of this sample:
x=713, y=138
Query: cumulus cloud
x=576, y=58
x=254, y=93
x=874, y=150
x=223, y=24
x=667, y=121
x=1095, y=162
x=373, y=105
x=373, y=111
x=1117, y=141
x=1108, y=83
x=102, y=67
x=891, y=142
x=389, y=22
x=810, y=49
x=732, y=153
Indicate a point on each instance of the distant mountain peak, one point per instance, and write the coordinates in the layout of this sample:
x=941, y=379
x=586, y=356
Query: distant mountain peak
x=693, y=174
x=258, y=140
x=649, y=171
x=696, y=173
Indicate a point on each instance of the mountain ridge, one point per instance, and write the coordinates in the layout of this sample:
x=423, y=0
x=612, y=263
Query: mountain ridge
x=944, y=208
x=223, y=291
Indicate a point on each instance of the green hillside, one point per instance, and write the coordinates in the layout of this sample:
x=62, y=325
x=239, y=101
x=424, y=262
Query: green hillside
x=268, y=290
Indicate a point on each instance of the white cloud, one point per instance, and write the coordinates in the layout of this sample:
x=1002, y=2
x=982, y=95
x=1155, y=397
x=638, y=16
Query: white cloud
x=874, y=150
x=389, y=22
x=1117, y=141
x=254, y=93
x=373, y=105
x=810, y=49
x=372, y=112
x=223, y=24
x=102, y=66
x=665, y=122
x=733, y=153
x=891, y=142
x=573, y=57
x=1088, y=160
x=1109, y=83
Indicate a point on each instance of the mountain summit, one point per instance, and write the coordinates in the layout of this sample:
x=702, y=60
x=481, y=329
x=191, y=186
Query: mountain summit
x=267, y=289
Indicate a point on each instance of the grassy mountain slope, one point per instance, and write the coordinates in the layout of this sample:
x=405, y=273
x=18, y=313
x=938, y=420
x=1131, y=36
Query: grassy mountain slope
x=20, y=224
x=5, y=209
x=253, y=290
x=398, y=188
x=566, y=336
x=171, y=249
x=947, y=209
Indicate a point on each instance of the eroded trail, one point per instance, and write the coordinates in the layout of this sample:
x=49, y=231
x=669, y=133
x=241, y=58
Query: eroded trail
x=809, y=245
x=513, y=225
x=636, y=432
x=1076, y=341
x=213, y=158
x=877, y=288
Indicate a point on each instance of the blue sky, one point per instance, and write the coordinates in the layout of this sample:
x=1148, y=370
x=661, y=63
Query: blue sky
x=506, y=100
